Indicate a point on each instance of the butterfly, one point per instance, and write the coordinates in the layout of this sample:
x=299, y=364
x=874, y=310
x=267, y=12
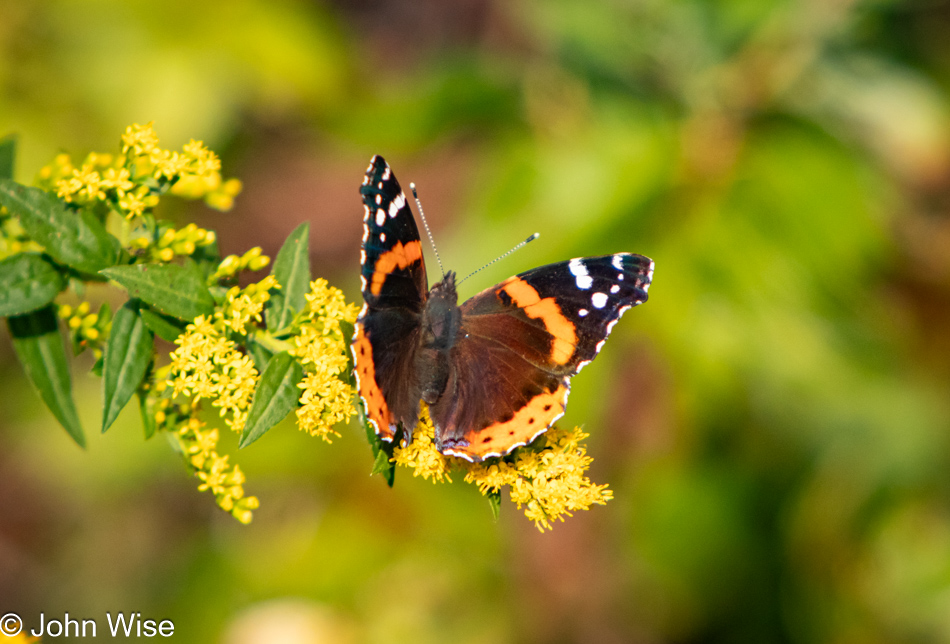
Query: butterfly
x=495, y=372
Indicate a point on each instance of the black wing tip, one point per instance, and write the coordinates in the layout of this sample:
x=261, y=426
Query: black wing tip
x=378, y=171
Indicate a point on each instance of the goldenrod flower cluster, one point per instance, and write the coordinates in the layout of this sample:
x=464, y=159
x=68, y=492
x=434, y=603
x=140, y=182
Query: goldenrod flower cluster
x=170, y=243
x=421, y=454
x=547, y=478
x=231, y=265
x=207, y=363
x=13, y=238
x=131, y=182
x=225, y=481
x=321, y=347
x=87, y=330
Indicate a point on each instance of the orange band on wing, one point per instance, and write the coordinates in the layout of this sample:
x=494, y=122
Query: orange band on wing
x=527, y=299
x=399, y=256
x=527, y=423
x=376, y=409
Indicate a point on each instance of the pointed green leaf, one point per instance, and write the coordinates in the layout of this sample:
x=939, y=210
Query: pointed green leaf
x=382, y=451
x=178, y=291
x=29, y=282
x=275, y=397
x=7, y=156
x=260, y=354
x=292, y=270
x=383, y=465
x=165, y=327
x=125, y=361
x=39, y=347
x=494, y=501
x=148, y=419
x=75, y=239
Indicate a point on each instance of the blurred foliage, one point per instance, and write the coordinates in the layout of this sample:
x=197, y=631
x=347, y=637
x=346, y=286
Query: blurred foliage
x=773, y=422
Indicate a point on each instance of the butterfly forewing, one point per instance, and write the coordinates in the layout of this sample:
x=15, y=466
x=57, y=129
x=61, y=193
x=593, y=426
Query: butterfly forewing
x=523, y=341
x=394, y=285
x=392, y=269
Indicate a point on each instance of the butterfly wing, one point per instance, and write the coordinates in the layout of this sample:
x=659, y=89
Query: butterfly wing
x=523, y=341
x=395, y=287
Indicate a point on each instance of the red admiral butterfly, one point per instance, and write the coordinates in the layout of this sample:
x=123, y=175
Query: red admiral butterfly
x=494, y=371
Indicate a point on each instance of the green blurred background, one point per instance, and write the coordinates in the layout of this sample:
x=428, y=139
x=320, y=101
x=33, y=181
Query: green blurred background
x=774, y=422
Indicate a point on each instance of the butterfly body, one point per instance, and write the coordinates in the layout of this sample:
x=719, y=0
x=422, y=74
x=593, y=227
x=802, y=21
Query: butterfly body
x=494, y=371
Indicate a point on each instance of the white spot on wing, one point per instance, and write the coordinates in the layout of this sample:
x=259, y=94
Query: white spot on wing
x=380, y=217
x=379, y=199
x=599, y=300
x=617, y=261
x=382, y=237
x=615, y=288
x=363, y=283
x=397, y=204
x=579, y=271
x=583, y=313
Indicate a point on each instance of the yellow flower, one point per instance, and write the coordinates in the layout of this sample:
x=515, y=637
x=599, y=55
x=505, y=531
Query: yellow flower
x=139, y=139
x=548, y=481
x=118, y=180
x=421, y=454
x=327, y=398
x=213, y=471
x=243, y=306
x=169, y=164
x=202, y=160
x=208, y=365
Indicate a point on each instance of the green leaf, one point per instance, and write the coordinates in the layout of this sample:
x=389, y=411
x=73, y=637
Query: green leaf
x=165, y=327
x=125, y=362
x=382, y=451
x=178, y=291
x=29, y=282
x=292, y=270
x=39, y=347
x=494, y=501
x=75, y=239
x=96, y=369
x=7, y=156
x=148, y=419
x=275, y=397
x=383, y=465
x=260, y=354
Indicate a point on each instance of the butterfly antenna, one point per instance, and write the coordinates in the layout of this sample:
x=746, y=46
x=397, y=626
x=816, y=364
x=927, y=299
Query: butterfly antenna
x=412, y=187
x=529, y=239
